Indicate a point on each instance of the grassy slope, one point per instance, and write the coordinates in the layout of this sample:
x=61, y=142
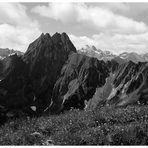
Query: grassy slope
x=102, y=126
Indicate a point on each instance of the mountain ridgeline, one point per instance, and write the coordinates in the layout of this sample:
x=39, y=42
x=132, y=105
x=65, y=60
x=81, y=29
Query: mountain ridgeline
x=51, y=76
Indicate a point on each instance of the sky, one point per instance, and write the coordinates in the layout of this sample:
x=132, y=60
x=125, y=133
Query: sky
x=118, y=27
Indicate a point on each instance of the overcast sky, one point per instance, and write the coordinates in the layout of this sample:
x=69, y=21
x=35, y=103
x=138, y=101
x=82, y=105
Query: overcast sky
x=109, y=26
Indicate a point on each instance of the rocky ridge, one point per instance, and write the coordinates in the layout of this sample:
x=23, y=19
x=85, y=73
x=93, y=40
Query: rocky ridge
x=52, y=76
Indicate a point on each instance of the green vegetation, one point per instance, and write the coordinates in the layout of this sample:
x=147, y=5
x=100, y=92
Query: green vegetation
x=102, y=126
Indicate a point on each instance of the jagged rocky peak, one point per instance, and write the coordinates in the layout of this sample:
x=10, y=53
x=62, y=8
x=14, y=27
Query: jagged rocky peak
x=31, y=78
x=46, y=44
x=46, y=56
x=37, y=46
x=63, y=40
x=57, y=37
x=48, y=52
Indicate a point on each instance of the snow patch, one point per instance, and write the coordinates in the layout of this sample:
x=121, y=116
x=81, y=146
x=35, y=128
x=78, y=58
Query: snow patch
x=33, y=108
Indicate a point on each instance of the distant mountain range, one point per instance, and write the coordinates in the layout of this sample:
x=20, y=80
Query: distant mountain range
x=132, y=56
x=4, y=52
x=92, y=51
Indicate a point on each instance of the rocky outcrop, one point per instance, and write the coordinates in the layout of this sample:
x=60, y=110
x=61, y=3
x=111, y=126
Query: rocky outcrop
x=45, y=57
x=27, y=82
x=127, y=85
x=78, y=81
x=14, y=84
x=113, y=65
x=130, y=84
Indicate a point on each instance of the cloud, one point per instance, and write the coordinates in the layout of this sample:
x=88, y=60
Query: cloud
x=117, y=43
x=81, y=41
x=65, y=12
x=116, y=7
x=100, y=18
x=113, y=31
x=17, y=29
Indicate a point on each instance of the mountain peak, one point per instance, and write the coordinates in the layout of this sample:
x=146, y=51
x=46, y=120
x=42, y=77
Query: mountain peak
x=59, y=36
x=56, y=35
x=45, y=42
x=43, y=36
x=62, y=35
x=92, y=51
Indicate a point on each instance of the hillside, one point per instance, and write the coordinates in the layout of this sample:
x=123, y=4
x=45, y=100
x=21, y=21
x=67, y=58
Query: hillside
x=102, y=126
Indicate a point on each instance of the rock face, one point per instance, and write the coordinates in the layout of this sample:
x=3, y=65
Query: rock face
x=113, y=65
x=29, y=80
x=45, y=57
x=128, y=84
x=13, y=84
x=78, y=81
